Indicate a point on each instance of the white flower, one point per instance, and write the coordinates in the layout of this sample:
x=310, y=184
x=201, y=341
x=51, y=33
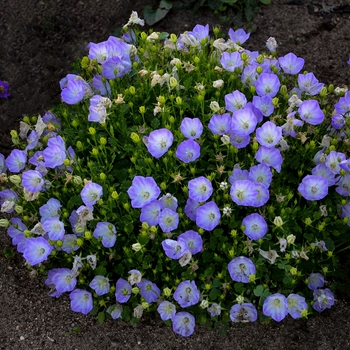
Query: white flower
x=323, y=209
x=92, y=260
x=295, y=254
x=154, y=36
x=214, y=106
x=23, y=130
x=338, y=90
x=283, y=244
x=271, y=44
x=138, y=311
x=134, y=19
x=224, y=185
x=175, y=62
x=204, y=304
x=227, y=211
x=326, y=141
x=30, y=196
x=40, y=126
x=217, y=84
x=185, y=259
x=38, y=229
x=225, y=139
x=135, y=277
x=77, y=264
x=7, y=206
x=270, y=255
x=189, y=67
x=220, y=44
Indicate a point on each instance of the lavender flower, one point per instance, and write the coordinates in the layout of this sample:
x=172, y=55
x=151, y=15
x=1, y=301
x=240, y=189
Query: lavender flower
x=239, y=141
x=316, y=280
x=107, y=231
x=115, y=311
x=187, y=294
x=149, y=290
x=309, y=84
x=191, y=128
x=73, y=92
x=245, y=312
x=168, y=220
x=270, y=156
x=208, y=216
x=269, y=134
x=271, y=44
x=238, y=174
x=255, y=226
x=249, y=75
x=200, y=189
x=32, y=181
x=295, y=305
x=143, y=190
x=116, y=67
x=70, y=243
x=150, y=212
x=311, y=112
x=81, y=301
x=188, y=151
x=16, y=232
x=98, y=51
x=220, y=124
x=235, y=101
x=240, y=269
x=243, y=122
x=191, y=208
x=276, y=307
x=4, y=89
x=122, y=291
x=260, y=174
x=3, y=165
x=159, y=142
x=239, y=36
x=291, y=64
x=324, y=299
x=166, y=310
x=343, y=105
x=135, y=277
x=8, y=199
x=174, y=249
x=322, y=170
x=243, y=192
x=50, y=210
x=264, y=104
x=54, y=228
x=168, y=201
x=343, y=185
x=263, y=195
x=338, y=122
x=37, y=250
x=313, y=187
x=91, y=193
x=231, y=61
x=100, y=285
x=193, y=241
x=54, y=156
x=32, y=140
x=214, y=309
x=101, y=87
x=267, y=84
x=333, y=160
x=183, y=323
x=63, y=280
x=16, y=161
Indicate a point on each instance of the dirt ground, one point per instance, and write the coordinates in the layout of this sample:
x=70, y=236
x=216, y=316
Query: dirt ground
x=39, y=39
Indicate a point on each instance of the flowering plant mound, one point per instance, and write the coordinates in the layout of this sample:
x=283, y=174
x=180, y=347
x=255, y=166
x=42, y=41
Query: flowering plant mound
x=185, y=176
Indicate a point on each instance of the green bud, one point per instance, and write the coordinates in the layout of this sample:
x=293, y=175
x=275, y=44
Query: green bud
x=330, y=88
x=173, y=82
x=173, y=38
x=323, y=92
x=259, y=69
x=115, y=195
x=92, y=131
x=103, y=141
x=135, y=137
x=18, y=209
x=178, y=100
x=75, y=123
x=4, y=223
x=79, y=145
x=95, y=151
x=132, y=90
x=15, y=179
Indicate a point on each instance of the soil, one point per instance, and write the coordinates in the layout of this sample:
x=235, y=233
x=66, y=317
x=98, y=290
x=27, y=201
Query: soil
x=39, y=40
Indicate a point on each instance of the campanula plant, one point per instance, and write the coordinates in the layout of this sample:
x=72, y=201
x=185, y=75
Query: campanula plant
x=184, y=176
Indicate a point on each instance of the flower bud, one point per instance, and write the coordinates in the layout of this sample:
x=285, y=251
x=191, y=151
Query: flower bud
x=291, y=239
x=135, y=137
x=145, y=305
x=173, y=82
x=240, y=299
x=323, y=91
x=92, y=131
x=4, y=223
x=132, y=90
x=178, y=100
x=173, y=38
x=18, y=209
x=136, y=247
x=95, y=152
x=15, y=179
x=135, y=290
x=278, y=221
x=167, y=292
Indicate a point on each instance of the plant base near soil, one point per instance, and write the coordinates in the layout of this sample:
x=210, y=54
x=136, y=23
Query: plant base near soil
x=46, y=319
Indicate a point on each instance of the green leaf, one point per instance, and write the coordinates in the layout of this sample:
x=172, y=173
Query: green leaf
x=73, y=202
x=154, y=16
x=259, y=290
x=265, y=2
x=155, y=123
x=100, y=271
x=329, y=243
x=163, y=35
x=239, y=287
x=101, y=317
x=209, y=271
x=214, y=293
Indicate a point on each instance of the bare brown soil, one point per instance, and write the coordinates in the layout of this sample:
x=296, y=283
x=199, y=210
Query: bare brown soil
x=38, y=42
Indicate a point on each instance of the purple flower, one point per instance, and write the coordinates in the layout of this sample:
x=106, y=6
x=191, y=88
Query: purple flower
x=150, y=212
x=313, y=187
x=261, y=174
x=188, y=151
x=255, y=226
x=55, y=228
x=32, y=140
x=333, y=160
x=208, y=216
x=311, y=112
x=343, y=105
x=37, y=250
x=270, y=156
x=193, y=241
x=73, y=92
x=81, y=301
x=98, y=51
x=122, y=290
x=16, y=161
x=295, y=305
x=309, y=84
x=50, y=209
x=116, y=67
x=231, y=61
x=115, y=311
x=54, y=155
x=149, y=290
x=240, y=269
x=239, y=141
x=191, y=208
x=97, y=109
x=91, y=193
x=243, y=122
x=316, y=280
x=101, y=87
x=239, y=36
x=200, y=189
x=291, y=64
x=187, y=294
x=345, y=165
x=107, y=231
x=4, y=89
x=343, y=185
x=174, y=249
x=100, y=285
x=70, y=243
x=15, y=231
x=220, y=124
x=48, y=282
x=338, y=122
x=324, y=299
x=245, y=312
x=243, y=192
x=8, y=199
x=168, y=201
x=322, y=170
x=63, y=280
x=214, y=309
x=249, y=75
x=32, y=181
x=191, y=128
x=235, y=101
x=257, y=112
x=291, y=122
x=267, y=84
x=143, y=190
x=276, y=307
x=168, y=220
x=166, y=310
x=159, y=142
x=264, y=104
x=268, y=134
x=262, y=196
x=238, y=174
x=3, y=166
x=200, y=32
x=183, y=323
